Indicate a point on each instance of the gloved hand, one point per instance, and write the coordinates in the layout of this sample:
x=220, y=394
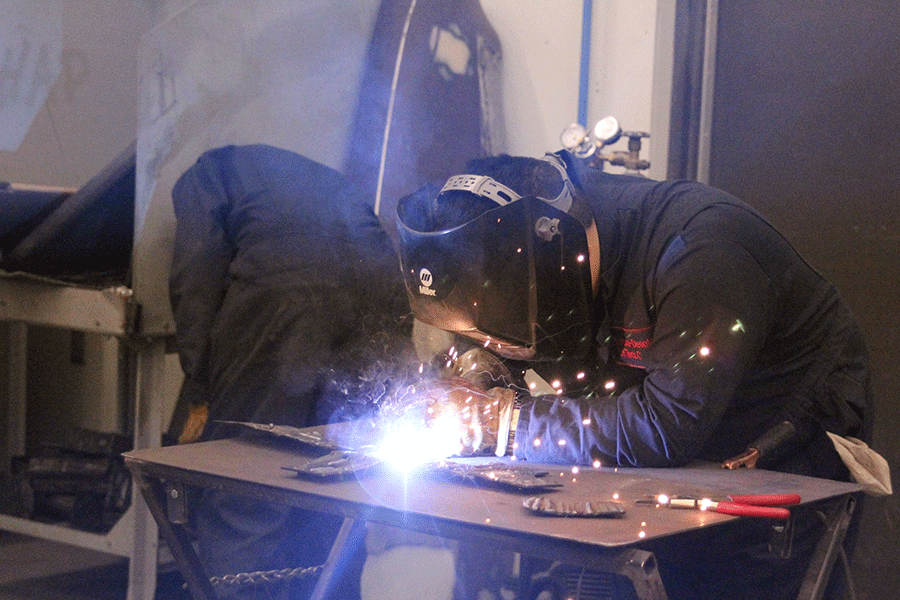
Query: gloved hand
x=198, y=415
x=477, y=414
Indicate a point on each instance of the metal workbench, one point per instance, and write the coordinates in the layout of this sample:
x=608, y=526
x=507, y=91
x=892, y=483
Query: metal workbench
x=255, y=467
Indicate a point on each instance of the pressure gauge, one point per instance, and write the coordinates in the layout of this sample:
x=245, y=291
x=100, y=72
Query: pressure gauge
x=576, y=140
x=606, y=131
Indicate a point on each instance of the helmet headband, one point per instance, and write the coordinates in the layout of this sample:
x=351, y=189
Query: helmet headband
x=486, y=187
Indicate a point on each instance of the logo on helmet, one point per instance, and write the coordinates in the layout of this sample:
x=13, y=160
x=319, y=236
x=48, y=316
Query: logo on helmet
x=425, y=281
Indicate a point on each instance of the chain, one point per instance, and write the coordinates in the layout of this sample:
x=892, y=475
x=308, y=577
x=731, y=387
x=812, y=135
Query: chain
x=264, y=577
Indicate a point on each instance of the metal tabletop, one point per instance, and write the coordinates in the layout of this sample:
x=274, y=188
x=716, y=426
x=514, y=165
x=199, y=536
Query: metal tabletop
x=435, y=503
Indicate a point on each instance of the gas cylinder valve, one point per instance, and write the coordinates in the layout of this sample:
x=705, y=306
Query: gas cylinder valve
x=589, y=145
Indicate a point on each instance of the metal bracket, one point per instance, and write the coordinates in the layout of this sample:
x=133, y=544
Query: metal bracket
x=132, y=318
x=781, y=538
x=176, y=503
x=640, y=567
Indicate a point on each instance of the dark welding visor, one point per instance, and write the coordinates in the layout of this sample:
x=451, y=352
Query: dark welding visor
x=516, y=279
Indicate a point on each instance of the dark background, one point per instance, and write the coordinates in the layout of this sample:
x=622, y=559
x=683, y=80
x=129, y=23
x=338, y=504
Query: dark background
x=806, y=127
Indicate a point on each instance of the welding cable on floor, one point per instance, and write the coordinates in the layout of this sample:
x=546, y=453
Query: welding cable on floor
x=264, y=577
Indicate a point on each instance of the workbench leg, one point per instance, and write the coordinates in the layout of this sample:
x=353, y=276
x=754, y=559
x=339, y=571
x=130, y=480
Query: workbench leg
x=144, y=556
x=158, y=499
x=640, y=567
x=348, y=540
x=822, y=562
x=17, y=393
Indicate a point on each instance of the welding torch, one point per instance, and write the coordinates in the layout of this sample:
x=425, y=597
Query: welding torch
x=479, y=376
x=477, y=366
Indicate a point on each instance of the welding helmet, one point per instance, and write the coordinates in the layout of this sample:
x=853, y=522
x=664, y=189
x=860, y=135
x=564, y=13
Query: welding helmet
x=515, y=279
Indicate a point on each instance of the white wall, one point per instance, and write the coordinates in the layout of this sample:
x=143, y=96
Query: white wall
x=631, y=64
x=90, y=112
x=542, y=46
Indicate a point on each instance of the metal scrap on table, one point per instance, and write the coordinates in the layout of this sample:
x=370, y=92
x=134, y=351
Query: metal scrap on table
x=499, y=474
x=574, y=508
x=342, y=462
x=305, y=435
x=337, y=464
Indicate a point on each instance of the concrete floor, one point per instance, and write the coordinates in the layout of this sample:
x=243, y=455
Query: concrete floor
x=33, y=569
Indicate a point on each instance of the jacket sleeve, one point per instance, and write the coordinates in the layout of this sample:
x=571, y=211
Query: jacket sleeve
x=713, y=307
x=202, y=253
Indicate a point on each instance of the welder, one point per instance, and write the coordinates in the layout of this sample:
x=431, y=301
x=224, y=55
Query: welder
x=288, y=306
x=670, y=320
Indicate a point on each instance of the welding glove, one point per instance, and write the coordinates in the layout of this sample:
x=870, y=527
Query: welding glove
x=198, y=415
x=478, y=415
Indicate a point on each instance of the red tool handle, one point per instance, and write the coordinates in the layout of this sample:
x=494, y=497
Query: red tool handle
x=749, y=510
x=767, y=499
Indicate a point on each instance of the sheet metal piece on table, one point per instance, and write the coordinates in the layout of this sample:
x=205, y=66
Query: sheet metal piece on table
x=307, y=435
x=344, y=460
x=499, y=475
x=574, y=508
x=338, y=464
x=341, y=464
x=355, y=436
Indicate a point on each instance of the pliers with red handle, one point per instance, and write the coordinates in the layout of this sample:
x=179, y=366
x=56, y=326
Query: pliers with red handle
x=761, y=505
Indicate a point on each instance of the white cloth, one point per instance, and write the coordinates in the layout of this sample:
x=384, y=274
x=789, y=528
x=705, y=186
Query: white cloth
x=409, y=573
x=868, y=468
